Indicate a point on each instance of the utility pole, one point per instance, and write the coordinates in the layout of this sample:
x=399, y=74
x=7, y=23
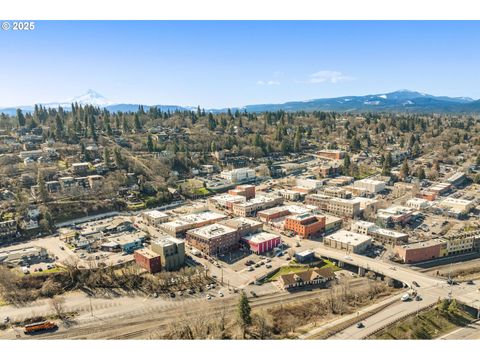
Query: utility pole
x=91, y=307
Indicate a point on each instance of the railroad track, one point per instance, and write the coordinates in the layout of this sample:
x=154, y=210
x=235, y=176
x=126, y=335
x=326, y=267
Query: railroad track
x=134, y=326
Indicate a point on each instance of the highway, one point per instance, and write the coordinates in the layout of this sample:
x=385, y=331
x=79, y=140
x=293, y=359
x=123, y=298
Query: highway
x=431, y=289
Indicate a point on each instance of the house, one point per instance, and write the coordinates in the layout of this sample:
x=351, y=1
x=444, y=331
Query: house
x=8, y=229
x=80, y=168
x=313, y=277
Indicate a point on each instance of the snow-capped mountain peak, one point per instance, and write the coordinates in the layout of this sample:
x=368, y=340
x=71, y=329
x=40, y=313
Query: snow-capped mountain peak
x=91, y=97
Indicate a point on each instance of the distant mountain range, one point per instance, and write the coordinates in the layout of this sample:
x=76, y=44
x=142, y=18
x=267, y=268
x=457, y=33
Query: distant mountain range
x=398, y=101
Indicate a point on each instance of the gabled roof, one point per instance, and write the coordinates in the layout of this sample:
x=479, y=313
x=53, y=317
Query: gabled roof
x=307, y=275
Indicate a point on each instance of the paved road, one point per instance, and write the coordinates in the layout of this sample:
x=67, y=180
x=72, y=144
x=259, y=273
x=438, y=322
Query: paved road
x=470, y=332
x=430, y=290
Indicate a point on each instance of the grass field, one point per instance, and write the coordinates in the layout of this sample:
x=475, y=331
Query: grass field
x=429, y=324
x=47, y=271
x=294, y=268
x=192, y=187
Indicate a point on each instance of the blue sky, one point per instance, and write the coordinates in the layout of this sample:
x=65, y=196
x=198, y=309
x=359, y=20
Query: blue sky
x=216, y=64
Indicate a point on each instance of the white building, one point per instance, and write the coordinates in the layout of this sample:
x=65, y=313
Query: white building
x=238, y=175
x=310, y=184
x=460, y=206
x=370, y=185
x=363, y=227
x=418, y=204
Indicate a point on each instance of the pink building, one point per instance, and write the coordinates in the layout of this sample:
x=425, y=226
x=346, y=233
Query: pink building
x=262, y=242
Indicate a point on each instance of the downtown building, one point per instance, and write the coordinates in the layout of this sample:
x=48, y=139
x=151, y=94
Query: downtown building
x=214, y=239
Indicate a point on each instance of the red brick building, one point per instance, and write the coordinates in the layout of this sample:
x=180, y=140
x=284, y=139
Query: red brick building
x=244, y=190
x=420, y=251
x=148, y=260
x=305, y=225
x=262, y=242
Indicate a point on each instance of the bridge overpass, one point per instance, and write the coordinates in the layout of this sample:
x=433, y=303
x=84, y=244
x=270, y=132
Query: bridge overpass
x=430, y=289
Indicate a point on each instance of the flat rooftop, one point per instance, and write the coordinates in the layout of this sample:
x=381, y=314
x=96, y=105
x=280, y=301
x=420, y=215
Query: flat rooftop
x=390, y=233
x=147, y=253
x=212, y=231
x=421, y=244
x=242, y=221
x=127, y=238
x=260, y=237
x=155, y=214
x=302, y=216
x=194, y=219
x=349, y=237
x=166, y=240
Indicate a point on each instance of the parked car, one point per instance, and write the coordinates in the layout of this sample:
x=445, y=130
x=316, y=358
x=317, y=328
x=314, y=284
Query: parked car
x=220, y=294
x=208, y=297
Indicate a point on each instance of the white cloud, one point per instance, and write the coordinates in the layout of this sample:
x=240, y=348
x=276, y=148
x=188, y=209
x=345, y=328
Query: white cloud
x=328, y=76
x=268, y=83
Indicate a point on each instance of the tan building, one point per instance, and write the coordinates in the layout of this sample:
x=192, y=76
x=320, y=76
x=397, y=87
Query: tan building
x=461, y=242
x=171, y=251
x=251, y=207
x=243, y=225
x=181, y=225
x=349, y=241
x=155, y=217
x=332, y=154
x=344, y=207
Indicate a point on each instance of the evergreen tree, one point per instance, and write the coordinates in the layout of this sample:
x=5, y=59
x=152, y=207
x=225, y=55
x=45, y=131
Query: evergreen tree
x=20, y=118
x=244, y=312
x=106, y=156
x=421, y=173
x=150, y=144
x=346, y=164
x=404, y=170
x=297, y=144
x=58, y=127
x=452, y=307
x=387, y=164
x=136, y=121
x=42, y=190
